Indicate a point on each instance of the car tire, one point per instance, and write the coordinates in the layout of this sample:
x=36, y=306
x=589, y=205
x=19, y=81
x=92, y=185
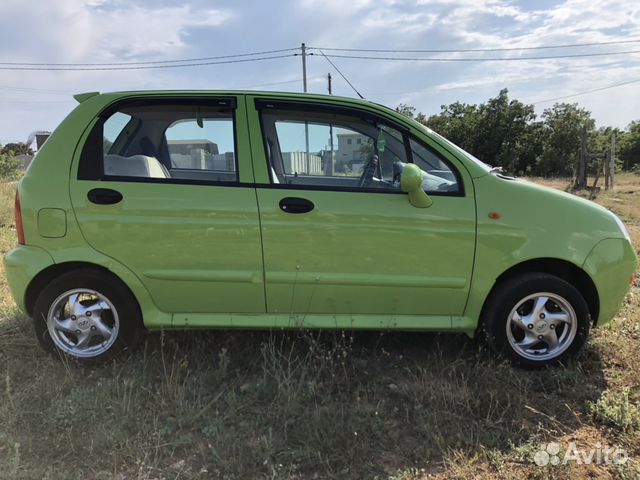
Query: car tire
x=87, y=315
x=536, y=319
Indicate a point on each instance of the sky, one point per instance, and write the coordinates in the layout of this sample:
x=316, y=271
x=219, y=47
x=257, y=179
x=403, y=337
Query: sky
x=111, y=31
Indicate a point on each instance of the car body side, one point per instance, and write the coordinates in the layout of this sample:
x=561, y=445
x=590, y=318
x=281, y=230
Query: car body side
x=520, y=227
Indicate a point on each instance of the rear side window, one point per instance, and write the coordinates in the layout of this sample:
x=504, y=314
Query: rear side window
x=163, y=141
x=206, y=147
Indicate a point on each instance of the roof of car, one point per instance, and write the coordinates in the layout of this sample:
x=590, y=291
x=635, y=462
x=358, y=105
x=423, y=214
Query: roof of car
x=80, y=97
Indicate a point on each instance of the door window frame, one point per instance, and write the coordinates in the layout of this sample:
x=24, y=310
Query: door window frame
x=91, y=159
x=261, y=104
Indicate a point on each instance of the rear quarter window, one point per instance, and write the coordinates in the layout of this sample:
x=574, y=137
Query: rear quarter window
x=169, y=142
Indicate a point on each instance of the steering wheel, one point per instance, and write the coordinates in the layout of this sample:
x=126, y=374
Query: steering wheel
x=368, y=172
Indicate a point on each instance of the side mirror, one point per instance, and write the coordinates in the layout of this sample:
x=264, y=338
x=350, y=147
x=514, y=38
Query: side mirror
x=411, y=183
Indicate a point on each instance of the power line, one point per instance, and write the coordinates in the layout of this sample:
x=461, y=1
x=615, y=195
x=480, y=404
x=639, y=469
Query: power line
x=341, y=74
x=12, y=100
x=42, y=91
x=274, y=83
x=600, y=89
x=254, y=87
x=155, y=62
x=467, y=50
x=493, y=59
x=145, y=67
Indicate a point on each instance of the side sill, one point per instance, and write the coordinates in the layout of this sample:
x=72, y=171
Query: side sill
x=314, y=321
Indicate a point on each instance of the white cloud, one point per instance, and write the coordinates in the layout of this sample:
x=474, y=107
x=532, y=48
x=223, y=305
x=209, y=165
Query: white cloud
x=100, y=30
x=341, y=7
x=121, y=30
x=384, y=20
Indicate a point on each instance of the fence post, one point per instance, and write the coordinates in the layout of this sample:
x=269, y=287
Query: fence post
x=581, y=173
x=612, y=159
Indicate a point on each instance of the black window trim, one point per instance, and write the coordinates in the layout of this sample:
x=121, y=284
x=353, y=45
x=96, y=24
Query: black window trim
x=94, y=141
x=262, y=104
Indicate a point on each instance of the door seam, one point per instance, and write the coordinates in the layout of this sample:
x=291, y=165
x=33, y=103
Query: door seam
x=255, y=191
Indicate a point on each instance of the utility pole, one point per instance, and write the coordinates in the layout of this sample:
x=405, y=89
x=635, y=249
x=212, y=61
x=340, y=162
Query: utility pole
x=304, y=67
x=329, y=162
x=303, y=48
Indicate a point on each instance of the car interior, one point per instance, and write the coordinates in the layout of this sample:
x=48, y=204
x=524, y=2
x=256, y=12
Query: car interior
x=142, y=149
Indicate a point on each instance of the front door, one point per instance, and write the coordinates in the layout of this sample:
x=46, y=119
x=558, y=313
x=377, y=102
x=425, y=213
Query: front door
x=159, y=189
x=339, y=236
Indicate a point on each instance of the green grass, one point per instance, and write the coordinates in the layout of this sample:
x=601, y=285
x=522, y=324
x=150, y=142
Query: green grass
x=216, y=404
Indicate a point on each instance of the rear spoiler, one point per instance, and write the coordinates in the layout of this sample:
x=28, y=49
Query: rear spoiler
x=81, y=97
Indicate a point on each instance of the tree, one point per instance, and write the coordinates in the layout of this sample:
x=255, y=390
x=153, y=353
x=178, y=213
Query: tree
x=629, y=146
x=458, y=123
x=16, y=149
x=563, y=124
x=507, y=133
x=407, y=110
x=501, y=132
x=410, y=112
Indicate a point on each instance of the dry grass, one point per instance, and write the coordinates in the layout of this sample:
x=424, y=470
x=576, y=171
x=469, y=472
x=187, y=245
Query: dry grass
x=315, y=405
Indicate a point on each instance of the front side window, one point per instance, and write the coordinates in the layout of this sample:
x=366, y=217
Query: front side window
x=163, y=141
x=332, y=150
x=343, y=151
x=439, y=175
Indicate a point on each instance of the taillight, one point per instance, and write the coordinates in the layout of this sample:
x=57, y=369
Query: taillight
x=19, y=225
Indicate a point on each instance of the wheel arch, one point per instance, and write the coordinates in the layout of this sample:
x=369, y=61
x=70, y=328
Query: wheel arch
x=44, y=277
x=563, y=269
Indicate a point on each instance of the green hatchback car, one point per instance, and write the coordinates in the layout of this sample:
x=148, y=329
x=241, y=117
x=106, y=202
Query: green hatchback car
x=191, y=209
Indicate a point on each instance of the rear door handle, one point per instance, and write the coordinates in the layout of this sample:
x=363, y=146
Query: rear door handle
x=296, y=205
x=104, y=196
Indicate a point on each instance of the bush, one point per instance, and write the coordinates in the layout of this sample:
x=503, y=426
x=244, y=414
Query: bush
x=10, y=168
x=616, y=410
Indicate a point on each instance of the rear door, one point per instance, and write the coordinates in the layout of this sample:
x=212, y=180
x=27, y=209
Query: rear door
x=165, y=186
x=339, y=236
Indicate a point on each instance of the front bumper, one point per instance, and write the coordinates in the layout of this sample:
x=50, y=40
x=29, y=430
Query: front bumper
x=21, y=265
x=611, y=264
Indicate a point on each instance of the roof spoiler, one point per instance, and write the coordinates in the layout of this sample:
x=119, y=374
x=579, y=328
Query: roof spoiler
x=81, y=97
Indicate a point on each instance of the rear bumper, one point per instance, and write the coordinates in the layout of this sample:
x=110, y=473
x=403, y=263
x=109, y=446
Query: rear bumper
x=611, y=264
x=21, y=265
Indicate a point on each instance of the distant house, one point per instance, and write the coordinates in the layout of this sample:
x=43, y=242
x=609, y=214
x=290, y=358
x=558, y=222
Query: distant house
x=299, y=162
x=39, y=136
x=350, y=146
x=185, y=147
x=200, y=154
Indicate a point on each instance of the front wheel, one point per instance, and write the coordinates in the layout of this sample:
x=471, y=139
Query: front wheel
x=536, y=319
x=87, y=315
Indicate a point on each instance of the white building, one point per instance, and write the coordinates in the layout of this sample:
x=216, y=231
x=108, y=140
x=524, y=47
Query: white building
x=298, y=162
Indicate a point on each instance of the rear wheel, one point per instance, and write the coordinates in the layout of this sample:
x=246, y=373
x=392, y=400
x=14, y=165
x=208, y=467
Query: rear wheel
x=87, y=315
x=536, y=319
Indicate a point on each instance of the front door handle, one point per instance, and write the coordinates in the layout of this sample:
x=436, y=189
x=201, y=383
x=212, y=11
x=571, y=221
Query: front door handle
x=296, y=205
x=104, y=196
